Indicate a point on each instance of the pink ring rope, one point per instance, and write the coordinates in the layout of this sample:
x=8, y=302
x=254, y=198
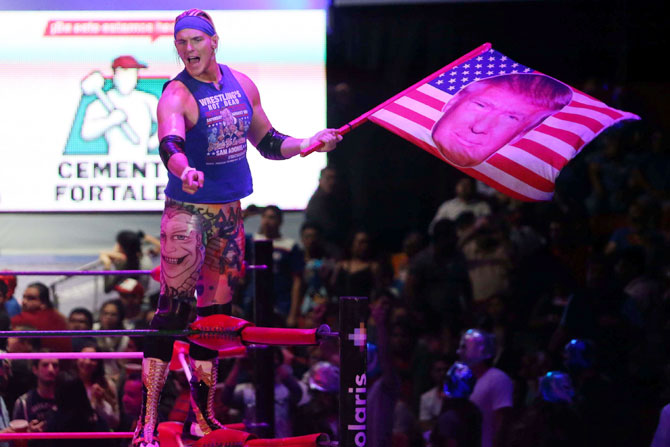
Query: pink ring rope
x=96, y=272
x=70, y=355
x=68, y=435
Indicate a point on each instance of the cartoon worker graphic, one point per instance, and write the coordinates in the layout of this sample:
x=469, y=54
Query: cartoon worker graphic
x=124, y=115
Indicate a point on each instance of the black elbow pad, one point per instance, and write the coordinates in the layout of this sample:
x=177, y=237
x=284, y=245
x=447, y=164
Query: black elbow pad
x=270, y=145
x=170, y=145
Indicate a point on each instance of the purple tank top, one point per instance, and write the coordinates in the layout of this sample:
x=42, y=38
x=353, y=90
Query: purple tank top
x=217, y=144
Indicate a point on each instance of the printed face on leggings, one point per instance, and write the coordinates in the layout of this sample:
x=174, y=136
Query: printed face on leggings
x=181, y=245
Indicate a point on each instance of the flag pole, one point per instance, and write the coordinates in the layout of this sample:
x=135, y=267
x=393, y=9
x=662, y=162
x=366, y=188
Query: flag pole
x=364, y=117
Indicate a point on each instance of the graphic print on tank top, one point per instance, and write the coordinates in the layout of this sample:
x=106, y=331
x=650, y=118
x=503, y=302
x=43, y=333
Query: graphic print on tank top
x=227, y=120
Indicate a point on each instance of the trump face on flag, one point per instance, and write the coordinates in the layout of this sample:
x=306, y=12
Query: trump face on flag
x=490, y=113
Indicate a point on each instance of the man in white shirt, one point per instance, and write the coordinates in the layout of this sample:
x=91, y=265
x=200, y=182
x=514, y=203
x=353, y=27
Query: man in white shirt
x=494, y=389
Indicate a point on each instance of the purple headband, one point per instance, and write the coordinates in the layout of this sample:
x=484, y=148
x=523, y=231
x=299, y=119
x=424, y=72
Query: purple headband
x=194, y=22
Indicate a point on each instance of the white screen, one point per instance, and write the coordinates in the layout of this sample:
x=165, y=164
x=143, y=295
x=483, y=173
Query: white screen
x=53, y=159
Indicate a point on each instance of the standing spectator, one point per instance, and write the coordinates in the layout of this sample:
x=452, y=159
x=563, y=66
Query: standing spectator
x=288, y=265
x=318, y=269
x=459, y=423
x=359, y=274
x=329, y=209
x=465, y=200
x=12, y=306
x=100, y=390
x=493, y=391
x=38, y=405
x=38, y=311
x=127, y=255
x=438, y=288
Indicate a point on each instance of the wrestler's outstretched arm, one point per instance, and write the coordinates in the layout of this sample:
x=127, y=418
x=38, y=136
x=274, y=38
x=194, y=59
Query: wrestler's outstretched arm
x=172, y=127
x=261, y=128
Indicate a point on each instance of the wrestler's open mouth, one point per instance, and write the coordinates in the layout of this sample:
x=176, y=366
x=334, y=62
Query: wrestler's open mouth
x=175, y=261
x=193, y=60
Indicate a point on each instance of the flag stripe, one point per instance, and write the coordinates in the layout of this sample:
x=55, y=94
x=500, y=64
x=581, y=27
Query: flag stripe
x=600, y=117
x=426, y=99
x=543, y=153
x=583, y=131
x=420, y=108
x=435, y=92
x=520, y=172
x=525, y=158
x=505, y=179
x=421, y=133
x=552, y=143
x=410, y=115
x=593, y=125
x=567, y=137
x=612, y=113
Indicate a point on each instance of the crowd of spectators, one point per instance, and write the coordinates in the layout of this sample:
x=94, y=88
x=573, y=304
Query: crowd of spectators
x=498, y=324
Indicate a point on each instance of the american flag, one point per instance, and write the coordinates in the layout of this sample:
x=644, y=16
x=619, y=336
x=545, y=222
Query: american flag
x=525, y=169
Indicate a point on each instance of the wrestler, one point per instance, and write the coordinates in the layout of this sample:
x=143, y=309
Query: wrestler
x=202, y=233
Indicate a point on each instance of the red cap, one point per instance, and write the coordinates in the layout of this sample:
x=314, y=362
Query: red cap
x=130, y=286
x=126, y=61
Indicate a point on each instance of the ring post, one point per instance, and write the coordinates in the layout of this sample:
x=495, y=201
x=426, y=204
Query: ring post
x=263, y=358
x=353, y=368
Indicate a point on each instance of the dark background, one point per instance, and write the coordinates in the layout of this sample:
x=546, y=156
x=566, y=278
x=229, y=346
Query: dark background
x=614, y=50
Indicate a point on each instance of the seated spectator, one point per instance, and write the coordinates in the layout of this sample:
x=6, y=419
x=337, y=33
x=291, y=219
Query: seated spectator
x=430, y=405
x=38, y=405
x=551, y=421
x=127, y=255
x=111, y=318
x=21, y=378
x=319, y=414
x=287, y=394
x=75, y=414
x=465, y=200
x=80, y=319
x=459, y=423
x=5, y=374
x=38, y=311
x=131, y=398
x=131, y=295
x=12, y=306
x=100, y=390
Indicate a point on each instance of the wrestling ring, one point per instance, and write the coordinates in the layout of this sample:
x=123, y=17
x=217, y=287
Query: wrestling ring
x=234, y=337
